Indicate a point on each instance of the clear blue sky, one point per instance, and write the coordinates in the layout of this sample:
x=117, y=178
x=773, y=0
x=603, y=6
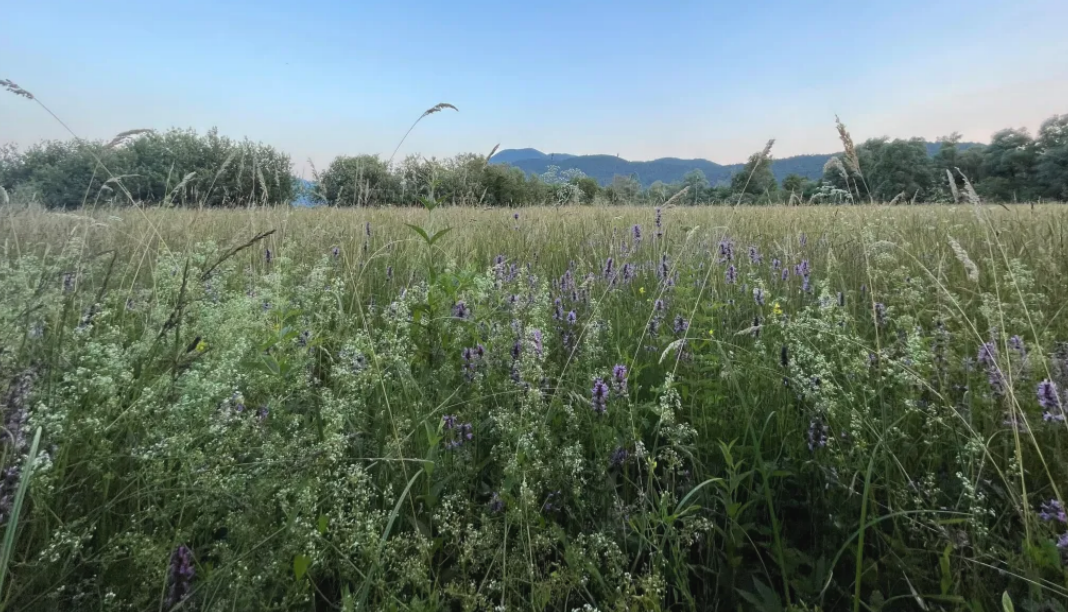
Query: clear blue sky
x=642, y=79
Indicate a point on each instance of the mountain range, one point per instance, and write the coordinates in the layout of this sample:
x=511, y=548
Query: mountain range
x=666, y=169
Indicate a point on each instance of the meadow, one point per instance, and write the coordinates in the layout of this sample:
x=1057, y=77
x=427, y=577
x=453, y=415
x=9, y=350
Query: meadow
x=558, y=408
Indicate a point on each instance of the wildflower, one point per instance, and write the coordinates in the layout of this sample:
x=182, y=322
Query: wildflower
x=619, y=376
x=654, y=326
x=664, y=269
x=802, y=239
x=460, y=310
x=537, y=342
x=785, y=274
x=516, y=216
x=754, y=255
x=758, y=296
x=658, y=305
x=1049, y=398
x=262, y=413
x=726, y=251
x=572, y=318
x=804, y=284
x=681, y=325
x=802, y=268
x=1053, y=510
x=618, y=458
x=599, y=396
x=988, y=353
x=641, y=290
x=776, y=264
x=549, y=504
x=817, y=435
x=637, y=232
x=628, y=271
x=458, y=433
x=1062, y=541
x=517, y=349
x=337, y=252
x=776, y=309
x=268, y=256
x=731, y=275
x=608, y=264
x=558, y=309
x=180, y=576
x=658, y=218
x=496, y=504
x=389, y=273
x=880, y=314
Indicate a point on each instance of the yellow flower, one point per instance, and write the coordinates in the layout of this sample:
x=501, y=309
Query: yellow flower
x=641, y=290
x=202, y=346
x=776, y=308
x=711, y=333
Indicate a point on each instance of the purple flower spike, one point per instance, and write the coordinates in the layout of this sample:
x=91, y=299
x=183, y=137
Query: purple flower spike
x=758, y=296
x=599, y=396
x=619, y=378
x=1053, y=510
x=731, y=275
x=180, y=576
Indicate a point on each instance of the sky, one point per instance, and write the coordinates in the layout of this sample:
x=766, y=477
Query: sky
x=642, y=80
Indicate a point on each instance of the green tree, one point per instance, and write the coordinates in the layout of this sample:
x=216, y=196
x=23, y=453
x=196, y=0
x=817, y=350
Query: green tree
x=623, y=190
x=588, y=187
x=1009, y=166
x=755, y=179
x=697, y=183
x=898, y=167
x=1051, y=166
x=360, y=180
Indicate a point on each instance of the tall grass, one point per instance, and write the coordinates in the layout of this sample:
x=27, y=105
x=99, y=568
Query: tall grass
x=315, y=409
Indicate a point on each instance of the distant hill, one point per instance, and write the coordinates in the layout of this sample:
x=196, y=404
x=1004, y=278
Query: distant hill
x=666, y=169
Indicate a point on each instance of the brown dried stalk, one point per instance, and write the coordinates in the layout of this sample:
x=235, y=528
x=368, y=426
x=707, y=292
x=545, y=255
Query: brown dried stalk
x=437, y=108
x=122, y=136
x=15, y=89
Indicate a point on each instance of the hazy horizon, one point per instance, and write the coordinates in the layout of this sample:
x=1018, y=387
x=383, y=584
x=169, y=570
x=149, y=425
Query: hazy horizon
x=621, y=78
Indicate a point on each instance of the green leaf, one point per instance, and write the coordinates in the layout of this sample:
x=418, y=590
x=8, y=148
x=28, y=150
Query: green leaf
x=1006, y=602
x=300, y=566
x=420, y=231
x=429, y=203
x=441, y=233
x=324, y=523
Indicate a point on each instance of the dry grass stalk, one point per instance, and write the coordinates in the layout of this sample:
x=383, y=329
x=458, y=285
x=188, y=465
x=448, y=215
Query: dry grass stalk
x=962, y=256
x=969, y=191
x=953, y=186
x=897, y=198
x=676, y=197
x=4, y=200
x=766, y=153
x=492, y=152
x=847, y=142
x=835, y=163
x=437, y=108
x=15, y=89
x=122, y=136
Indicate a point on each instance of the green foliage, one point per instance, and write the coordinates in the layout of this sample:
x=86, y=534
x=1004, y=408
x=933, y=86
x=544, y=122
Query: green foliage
x=299, y=420
x=755, y=180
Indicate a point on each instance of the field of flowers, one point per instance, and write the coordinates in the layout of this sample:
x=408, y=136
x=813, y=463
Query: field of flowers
x=555, y=409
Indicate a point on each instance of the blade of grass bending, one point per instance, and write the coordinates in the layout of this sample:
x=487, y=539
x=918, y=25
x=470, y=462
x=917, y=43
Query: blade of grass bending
x=8, y=547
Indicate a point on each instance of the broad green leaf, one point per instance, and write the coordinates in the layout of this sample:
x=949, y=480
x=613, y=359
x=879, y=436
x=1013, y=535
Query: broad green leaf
x=420, y=231
x=301, y=563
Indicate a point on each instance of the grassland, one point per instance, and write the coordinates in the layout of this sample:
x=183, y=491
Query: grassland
x=727, y=408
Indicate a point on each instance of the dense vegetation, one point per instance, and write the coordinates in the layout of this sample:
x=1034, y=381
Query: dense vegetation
x=181, y=168
x=551, y=409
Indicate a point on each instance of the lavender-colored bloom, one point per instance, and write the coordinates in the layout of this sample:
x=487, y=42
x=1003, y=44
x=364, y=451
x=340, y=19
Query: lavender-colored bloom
x=457, y=433
x=1062, y=541
x=517, y=349
x=658, y=305
x=336, y=252
x=1053, y=510
x=537, y=342
x=618, y=458
x=608, y=267
x=558, y=309
x=654, y=326
x=516, y=216
x=817, y=435
x=496, y=504
x=754, y=255
x=758, y=296
x=1049, y=397
x=619, y=378
x=268, y=256
x=460, y=310
x=664, y=269
x=1016, y=343
x=628, y=271
x=658, y=218
x=785, y=274
x=637, y=232
x=572, y=318
x=988, y=354
x=68, y=282
x=880, y=314
x=681, y=325
x=776, y=264
x=805, y=286
x=726, y=251
x=599, y=396
x=731, y=275
x=180, y=576
x=499, y=260
x=802, y=239
x=802, y=268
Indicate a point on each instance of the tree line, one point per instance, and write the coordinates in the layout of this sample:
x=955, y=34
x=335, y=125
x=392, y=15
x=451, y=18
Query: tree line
x=182, y=168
